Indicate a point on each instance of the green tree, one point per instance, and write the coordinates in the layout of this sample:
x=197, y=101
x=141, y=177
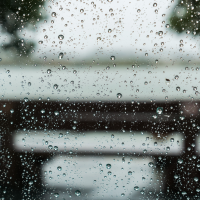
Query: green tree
x=16, y=15
x=186, y=17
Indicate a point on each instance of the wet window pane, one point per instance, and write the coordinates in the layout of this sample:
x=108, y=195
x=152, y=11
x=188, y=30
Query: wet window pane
x=99, y=99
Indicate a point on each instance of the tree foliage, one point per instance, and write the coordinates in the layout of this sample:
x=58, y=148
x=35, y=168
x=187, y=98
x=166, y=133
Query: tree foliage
x=15, y=15
x=186, y=17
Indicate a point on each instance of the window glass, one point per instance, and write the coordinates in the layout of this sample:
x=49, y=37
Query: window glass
x=99, y=99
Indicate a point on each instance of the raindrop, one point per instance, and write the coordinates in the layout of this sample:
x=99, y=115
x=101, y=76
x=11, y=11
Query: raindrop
x=60, y=55
x=178, y=88
x=109, y=31
x=53, y=14
x=167, y=25
x=29, y=83
x=188, y=32
x=99, y=38
x=112, y=57
x=119, y=95
x=172, y=140
x=156, y=61
x=77, y=193
x=151, y=164
x=155, y=4
x=159, y=110
x=167, y=148
x=176, y=77
x=122, y=194
x=138, y=10
x=136, y=188
x=42, y=111
x=56, y=195
x=40, y=42
x=61, y=37
x=46, y=36
x=55, y=86
x=167, y=81
x=11, y=111
x=180, y=161
x=196, y=179
x=48, y=71
x=108, y=166
x=56, y=113
x=130, y=173
x=59, y=168
x=26, y=99
x=81, y=10
x=110, y=1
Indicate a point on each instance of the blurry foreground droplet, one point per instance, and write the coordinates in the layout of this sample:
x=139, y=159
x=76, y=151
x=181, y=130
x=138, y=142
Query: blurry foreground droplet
x=119, y=95
x=77, y=193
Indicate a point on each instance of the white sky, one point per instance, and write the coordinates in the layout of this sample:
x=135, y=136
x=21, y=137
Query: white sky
x=135, y=35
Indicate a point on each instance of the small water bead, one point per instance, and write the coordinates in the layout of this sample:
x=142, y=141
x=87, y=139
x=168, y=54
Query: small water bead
x=109, y=173
x=61, y=37
x=188, y=32
x=196, y=179
x=155, y=4
x=150, y=164
x=60, y=55
x=176, y=77
x=119, y=95
x=77, y=193
x=56, y=113
x=55, y=86
x=55, y=148
x=98, y=38
x=110, y=10
x=136, y=188
x=46, y=37
x=145, y=83
x=130, y=173
x=159, y=110
x=108, y=166
x=60, y=135
x=176, y=176
x=109, y=31
x=107, y=67
x=42, y=111
x=50, y=147
x=122, y=194
x=160, y=33
x=178, y=89
x=53, y=14
x=180, y=161
x=74, y=72
x=12, y=111
x=29, y=83
x=137, y=90
x=167, y=25
x=56, y=195
x=26, y=99
x=81, y=10
x=40, y=42
x=138, y=10
x=146, y=54
x=59, y=168
x=46, y=142
x=172, y=140
x=156, y=61
x=167, y=148
x=110, y=1
x=112, y=57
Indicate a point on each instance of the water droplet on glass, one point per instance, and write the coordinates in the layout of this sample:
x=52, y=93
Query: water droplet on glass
x=159, y=110
x=109, y=31
x=42, y=111
x=99, y=38
x=40, y=42
x=112, y=57
x=136, y=188
x=59, y=168
x=11, y=111
x=108, y=166
x=50, y=147
x=196, y=179
x=167, y=25
x=48, y=71
x=109, y=173
x=55, y=86
x=56, y=113
x=151, y=164
x=55, y=148
x=81, y=10
x=167, y=148
x=110, y=1
x=122, y=194
x=46, y=36
x=60, y=55
x=130, y=173
x=180, y=161
x=77, y=193
x=138, y=10
x=26, y=99
x=167, y=81
x=60, y=37
x=155, y=4
x=156, y=61
x=56, y=195
x=119, y=95
x=178, y=88
x=53, y=14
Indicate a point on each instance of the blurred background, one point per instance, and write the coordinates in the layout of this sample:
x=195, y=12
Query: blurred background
x=99, y=100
